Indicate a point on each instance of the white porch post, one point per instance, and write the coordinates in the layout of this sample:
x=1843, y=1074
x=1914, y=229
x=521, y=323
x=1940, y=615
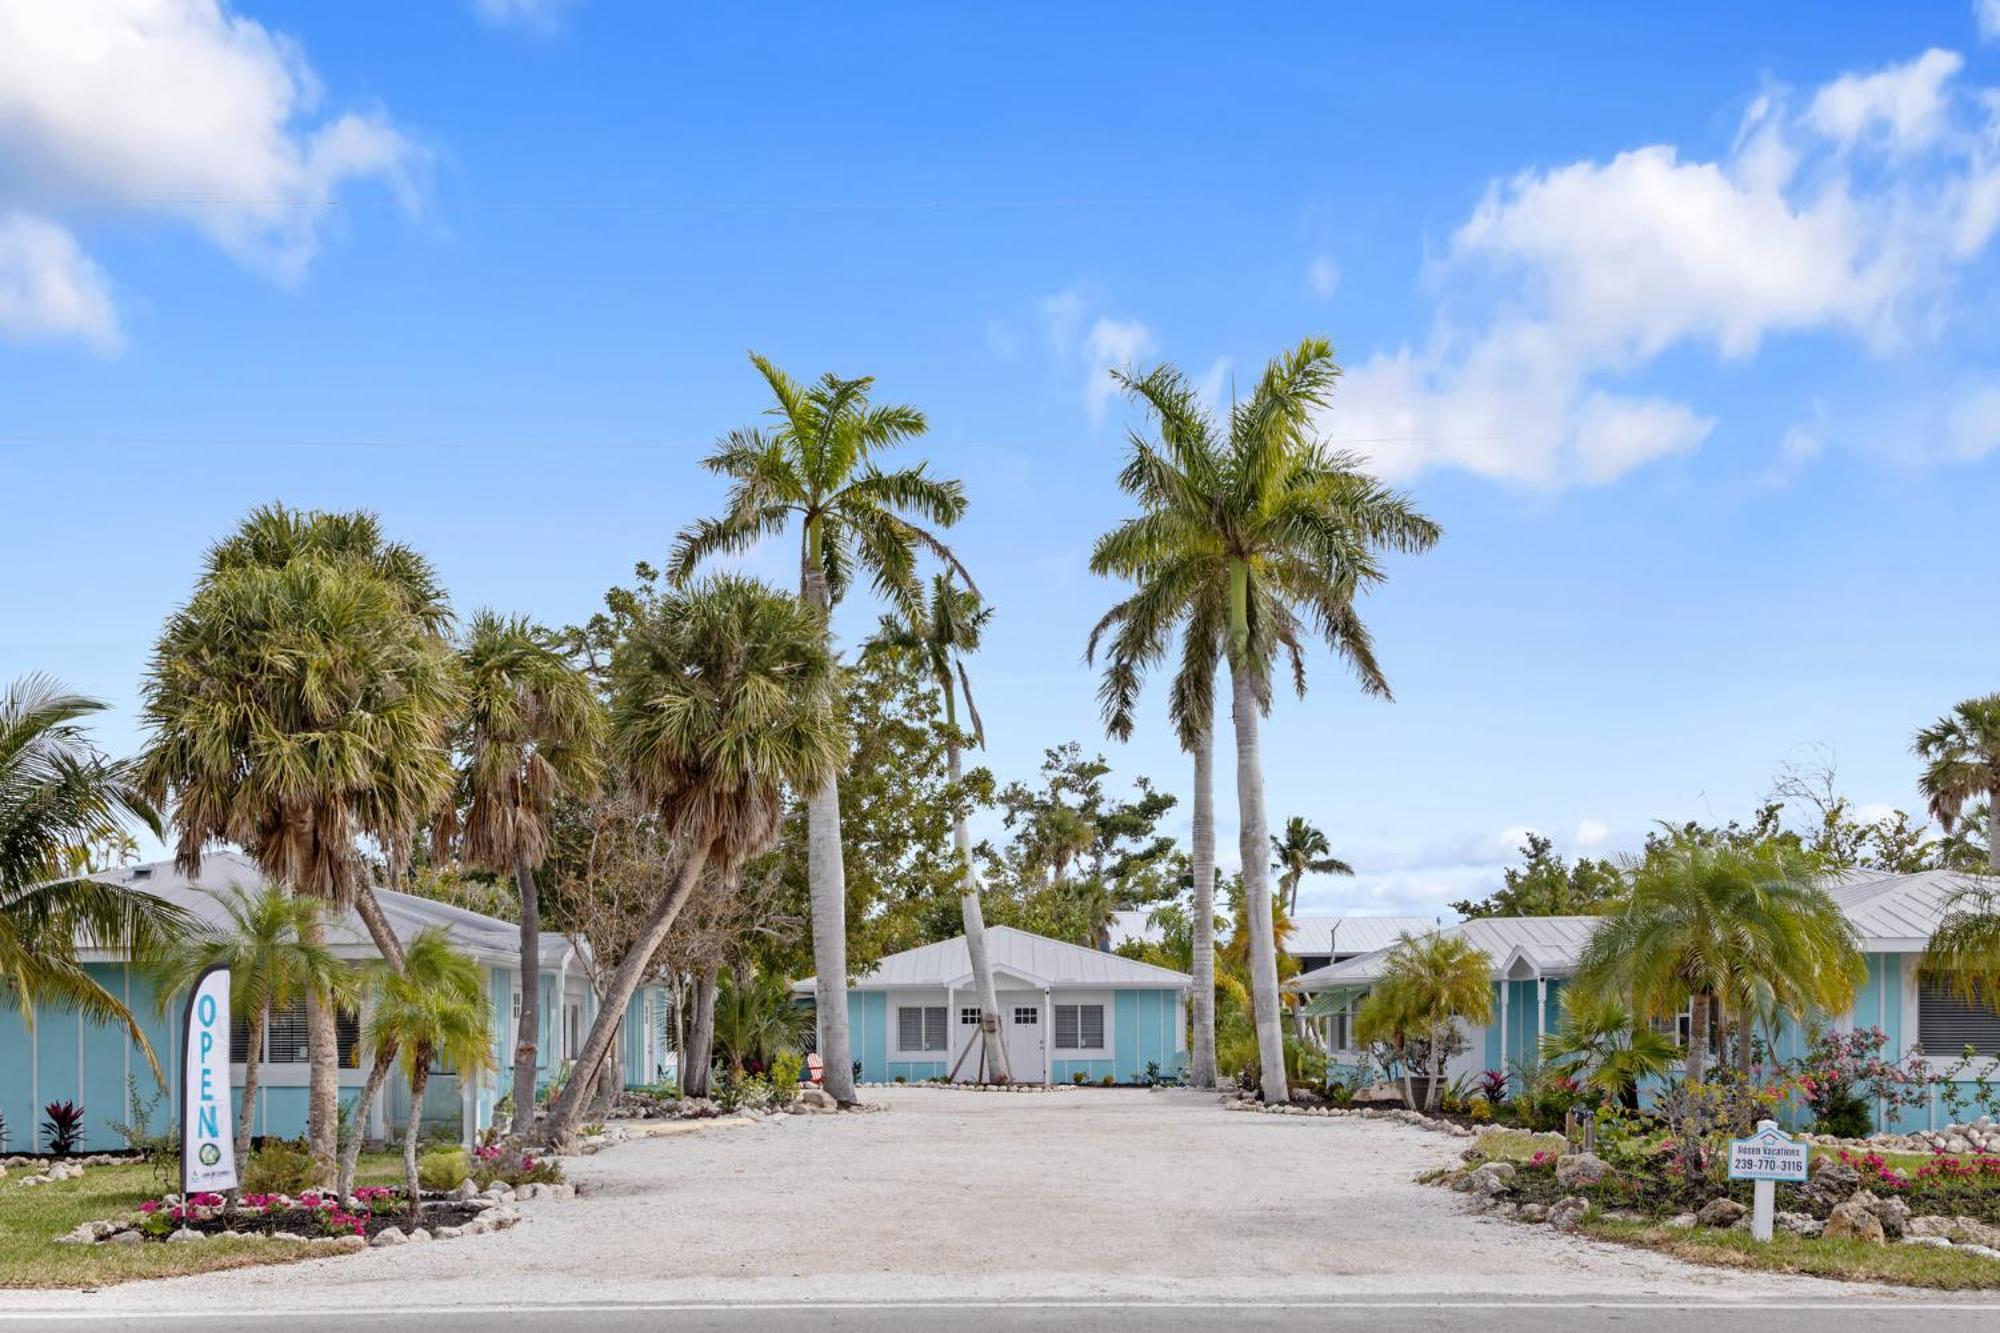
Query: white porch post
x=468, y=1103
x=1504, y=988
x=1048, y=1035
x=1541, y=1011
x=950, y=1024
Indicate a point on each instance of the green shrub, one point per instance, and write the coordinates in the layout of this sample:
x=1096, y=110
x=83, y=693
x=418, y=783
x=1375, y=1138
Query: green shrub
x=444, y=1169
x=279, y=1166
x=1079, y=1078
x=1843, y=1113
x=787, y=1067
x=1107, y=1081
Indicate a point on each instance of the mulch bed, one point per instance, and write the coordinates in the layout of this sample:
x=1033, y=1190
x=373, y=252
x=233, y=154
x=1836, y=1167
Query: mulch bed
x=306, y=1221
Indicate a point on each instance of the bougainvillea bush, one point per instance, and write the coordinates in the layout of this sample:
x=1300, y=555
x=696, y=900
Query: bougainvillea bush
x=370, y=1209
x=513, y=1165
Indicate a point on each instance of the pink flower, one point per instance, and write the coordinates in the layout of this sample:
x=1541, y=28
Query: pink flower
x=150, y=1206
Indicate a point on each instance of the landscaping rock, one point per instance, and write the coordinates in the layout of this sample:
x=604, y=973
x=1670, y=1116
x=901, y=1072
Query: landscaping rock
x=1958, y=1230
x=185, y=1237
x=1799, y=1224
x=1533, y=1212
x=288, y=1235
x=1983, y=1251
x=1833, y=1181
x=1853, y=1221
x=126, y=1238
x=1565, y=1214
x=419, y=1236
x=466, y=1190
x=1581, y=1170
x=1892, y=1213
x=450, y=1233
x=1720, y=1213
x=1683, y=1221
x=1938, y=1241
x=559, y=1191
x=387, y=1237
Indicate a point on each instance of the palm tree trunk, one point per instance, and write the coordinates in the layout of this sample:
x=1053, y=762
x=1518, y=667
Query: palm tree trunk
x=258, y=1021
x=419, y=1078
x=323, y=1069
x=369, y=909
x=1202, y=1047
x=567, y=1113
x=1993, y=828
x=357, y=1126
x=701, y=1035
x=971, y=913
x=1439, y=1044
x=1253, y=841
x=826, y=878
x=1697, y=1037
x=526, y=1043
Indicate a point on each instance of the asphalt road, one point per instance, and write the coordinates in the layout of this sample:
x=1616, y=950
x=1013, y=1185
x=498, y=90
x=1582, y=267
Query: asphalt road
x=1413, y=1313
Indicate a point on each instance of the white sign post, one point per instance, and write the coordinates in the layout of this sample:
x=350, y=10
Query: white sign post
x=208, y=1143
x=1768, y=1156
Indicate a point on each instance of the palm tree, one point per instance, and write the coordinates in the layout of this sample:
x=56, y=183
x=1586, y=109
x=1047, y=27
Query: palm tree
x=1964, y=950
x=1303, y=850
x=1606, y=1046
x=1429, y=983
x=60, y=799
x=755, y=1018
x=1248, y=538
x=301, y=700
x=721, y=700
x=818, y=465
x=1962, y=754
x=271, y=965
x=530, y=735
x=948, y=629
x=1745, y=927
x=433, y=1010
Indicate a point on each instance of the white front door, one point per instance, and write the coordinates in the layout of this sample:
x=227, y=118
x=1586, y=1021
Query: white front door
x=1022, y=1015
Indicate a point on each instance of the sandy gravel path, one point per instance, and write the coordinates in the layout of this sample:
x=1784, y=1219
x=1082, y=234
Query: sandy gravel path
x=1073, y=1194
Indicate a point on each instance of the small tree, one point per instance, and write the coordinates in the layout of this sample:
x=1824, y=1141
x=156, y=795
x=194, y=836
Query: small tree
x=1604, y=1045
x=1430, y=983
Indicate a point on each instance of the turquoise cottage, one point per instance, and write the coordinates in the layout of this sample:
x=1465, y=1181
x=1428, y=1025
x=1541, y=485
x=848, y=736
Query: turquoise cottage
x=62, y=1057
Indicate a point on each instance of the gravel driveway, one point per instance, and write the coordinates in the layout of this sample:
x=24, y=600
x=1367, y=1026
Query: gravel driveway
x=1072, y=1194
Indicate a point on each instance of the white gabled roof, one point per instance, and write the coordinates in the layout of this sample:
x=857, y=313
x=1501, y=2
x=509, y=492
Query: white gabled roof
x=1547, y=945
x=1351, y=934
x=1891, y=912
x=1032, y=958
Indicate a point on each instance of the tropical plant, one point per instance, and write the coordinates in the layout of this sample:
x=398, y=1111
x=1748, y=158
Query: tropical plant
x=722, y=699
x=1962, y=765
x=63, y=1127
x=267, y=945
x=1605, y=1046
x=1964, y=951
x=947, y=628
x=818, y=465
x=432, y=1012
x=1303, y=851
x=299, y=701
x=1246, y=537
x=1742, y=925
x=60, y=801
x=530, y=734
x=756, y=1020
x=1430, y=983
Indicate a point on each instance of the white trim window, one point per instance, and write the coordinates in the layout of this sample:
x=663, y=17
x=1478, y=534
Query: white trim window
x=1079, y=1027
x=1027, y=1015
x=285, y=1037
x=968, y=1015
x=1946, y=1024
x=920, y=1028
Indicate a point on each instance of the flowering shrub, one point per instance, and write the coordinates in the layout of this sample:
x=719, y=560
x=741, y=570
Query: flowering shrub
x=1843, y=1073
x=512, y=1166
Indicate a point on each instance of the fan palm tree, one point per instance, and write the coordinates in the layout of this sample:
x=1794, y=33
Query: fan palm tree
x=272, y=965
x=721, y=701
x=755, y=1018
x=1962, y=765
x=1429, y=983
x=1747, y=927
x=59, y=799
x=431, y=1011
x=530, y=734
x=1248, y=537
x=948, y=628
x=301, y=700
x=1302, y=851
x=817, y=465
x=1604, y=1045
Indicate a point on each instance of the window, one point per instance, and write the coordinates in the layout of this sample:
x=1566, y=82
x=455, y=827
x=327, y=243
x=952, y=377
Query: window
x=969, y=1016
x=285, y=1041
x=1027, y=1015
x=920, y=1028
x=1946, y=1024
x=1079, y=1027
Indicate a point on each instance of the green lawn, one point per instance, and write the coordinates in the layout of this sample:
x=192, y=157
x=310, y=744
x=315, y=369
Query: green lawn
x=1898, y=1265
x=30, y=1218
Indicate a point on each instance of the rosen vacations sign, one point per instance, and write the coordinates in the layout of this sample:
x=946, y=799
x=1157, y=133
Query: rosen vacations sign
x=208, y=1143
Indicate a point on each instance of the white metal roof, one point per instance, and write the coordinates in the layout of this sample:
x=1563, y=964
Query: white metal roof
x=1892, y=912
x=485, y=937
x=1547, y=946
x=1033, y=958
x=1351, y=934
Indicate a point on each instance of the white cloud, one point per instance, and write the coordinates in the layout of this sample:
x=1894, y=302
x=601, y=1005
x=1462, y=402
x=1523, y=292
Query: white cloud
x=1986, y=13
x=1113, y=344
x=1211, y=386
x=1798, y=449
x=1902, y=107
x=1591, y=834
x=1972, y=424
x=540, y=17
x=50, y=289
x=1565, y=280
x=183, y=110
x=1080, y=336
x=1323, y=278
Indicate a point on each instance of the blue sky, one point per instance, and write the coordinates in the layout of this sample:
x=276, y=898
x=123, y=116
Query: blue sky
x=1678, y=318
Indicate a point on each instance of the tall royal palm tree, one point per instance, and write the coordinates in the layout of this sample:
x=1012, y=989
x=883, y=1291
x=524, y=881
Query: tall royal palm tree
x=1429, y=984
x=721, y=702
x=1962, y=766
x=817, y=465
x=1248, y=536
x=272, y=964
x=1303, y=851
x=531, y=733
x=301, y=700
x=1745, y=927
x=59, y=799
x=949, y=627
